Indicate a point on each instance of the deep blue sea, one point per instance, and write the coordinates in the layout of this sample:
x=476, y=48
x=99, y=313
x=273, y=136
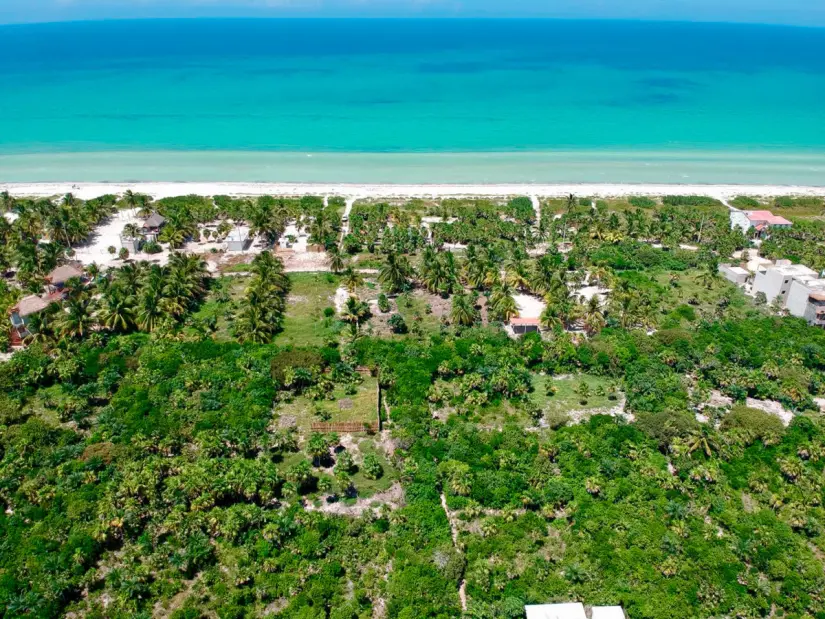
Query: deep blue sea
x=499, y=100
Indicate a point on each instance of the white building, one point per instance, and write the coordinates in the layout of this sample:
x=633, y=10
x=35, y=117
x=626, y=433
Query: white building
x=775, y=281
x=238, y=240
x=734, y=274
x=806, y=299
x=573, y=610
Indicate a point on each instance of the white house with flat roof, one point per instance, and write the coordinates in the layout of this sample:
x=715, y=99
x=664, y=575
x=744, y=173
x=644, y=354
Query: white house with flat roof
x=806, y=299
x=775, y=281
x=734, y=274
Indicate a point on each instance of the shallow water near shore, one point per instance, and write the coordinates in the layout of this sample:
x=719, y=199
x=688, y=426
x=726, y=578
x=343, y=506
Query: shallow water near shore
x=412, y=101
x=682, y=167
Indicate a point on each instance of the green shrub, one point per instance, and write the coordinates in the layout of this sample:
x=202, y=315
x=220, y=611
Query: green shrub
x=397, y=323
x=752, y=423
x=666, y=425
x=745, y=202
x=690, y=201
x=383, y=303
x=642, y=202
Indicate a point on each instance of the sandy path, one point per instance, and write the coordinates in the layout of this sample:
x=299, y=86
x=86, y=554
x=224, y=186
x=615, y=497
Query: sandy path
x=462, y=587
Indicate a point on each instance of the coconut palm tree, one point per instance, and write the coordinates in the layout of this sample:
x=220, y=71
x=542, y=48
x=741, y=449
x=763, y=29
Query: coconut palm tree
x=253, y=325
x=395, y=272
x=352, y=280
x=463, y=311
x=336, y=259
x=131, y=231
x=76, y=319
x=476, y=266
x=503, y=303
x=117, y=311
x=592, y=315
x=355, y=312
x=149, y=311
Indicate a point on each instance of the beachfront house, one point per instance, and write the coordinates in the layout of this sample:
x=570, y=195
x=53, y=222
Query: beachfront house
x=56, y=280
x=20, y=315
x=756, y=221
x=152, y=226
x=573, y=610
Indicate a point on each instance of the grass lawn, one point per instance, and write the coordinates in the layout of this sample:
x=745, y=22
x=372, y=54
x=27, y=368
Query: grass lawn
x=567, y=398
x=360, y=407
x=304, y=324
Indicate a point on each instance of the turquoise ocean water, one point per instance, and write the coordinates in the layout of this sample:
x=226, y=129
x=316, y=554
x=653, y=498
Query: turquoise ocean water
x=412, y=101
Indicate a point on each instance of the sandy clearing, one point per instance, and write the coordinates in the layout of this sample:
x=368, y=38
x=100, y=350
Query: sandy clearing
x=529, y=306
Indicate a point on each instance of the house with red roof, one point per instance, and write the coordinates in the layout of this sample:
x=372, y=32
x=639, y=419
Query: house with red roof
x=758, y=221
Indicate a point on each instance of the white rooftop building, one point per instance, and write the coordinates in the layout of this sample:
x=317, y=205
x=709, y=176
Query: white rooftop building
x=806, y=299
x=775, y=281
x=573, y=610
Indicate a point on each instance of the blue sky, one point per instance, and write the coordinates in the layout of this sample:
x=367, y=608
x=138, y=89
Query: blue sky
x=796, y=12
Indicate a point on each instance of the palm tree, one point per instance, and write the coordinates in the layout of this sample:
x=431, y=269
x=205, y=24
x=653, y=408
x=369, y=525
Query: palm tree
x=149, y=310
x=131, y=198
x=76, y=319
x=336, y=260
x=463, y=311
x=131, y=231
x=475, y=268
x=502, y=302
x=352, y=280
x=254, y=325
x=593, y=317
x=551, y=318
x=355, y=312
x=395, y=272
x=117, y=312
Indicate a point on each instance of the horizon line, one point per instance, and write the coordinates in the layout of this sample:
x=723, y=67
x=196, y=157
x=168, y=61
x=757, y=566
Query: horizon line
x=419, y=18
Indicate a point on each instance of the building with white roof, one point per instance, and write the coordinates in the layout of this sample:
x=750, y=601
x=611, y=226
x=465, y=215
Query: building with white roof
x=806, y=299
x=734, y=274
x=775, y=281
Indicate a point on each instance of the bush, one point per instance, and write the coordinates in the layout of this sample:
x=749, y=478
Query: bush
x=690, y=201
x=745, y=202
x=383, y=303
x=666, y=425
x=329, y=312
x=372, y=467
x=397, y=323
x=152, y=247
x=10, y=411
x=752, y=423
x=642, y=202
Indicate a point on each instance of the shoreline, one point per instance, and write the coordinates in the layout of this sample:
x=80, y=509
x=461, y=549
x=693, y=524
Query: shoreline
x=539, y=168
x=160, y=190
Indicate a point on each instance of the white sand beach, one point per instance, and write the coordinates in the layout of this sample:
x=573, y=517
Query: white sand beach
x=164, y=189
